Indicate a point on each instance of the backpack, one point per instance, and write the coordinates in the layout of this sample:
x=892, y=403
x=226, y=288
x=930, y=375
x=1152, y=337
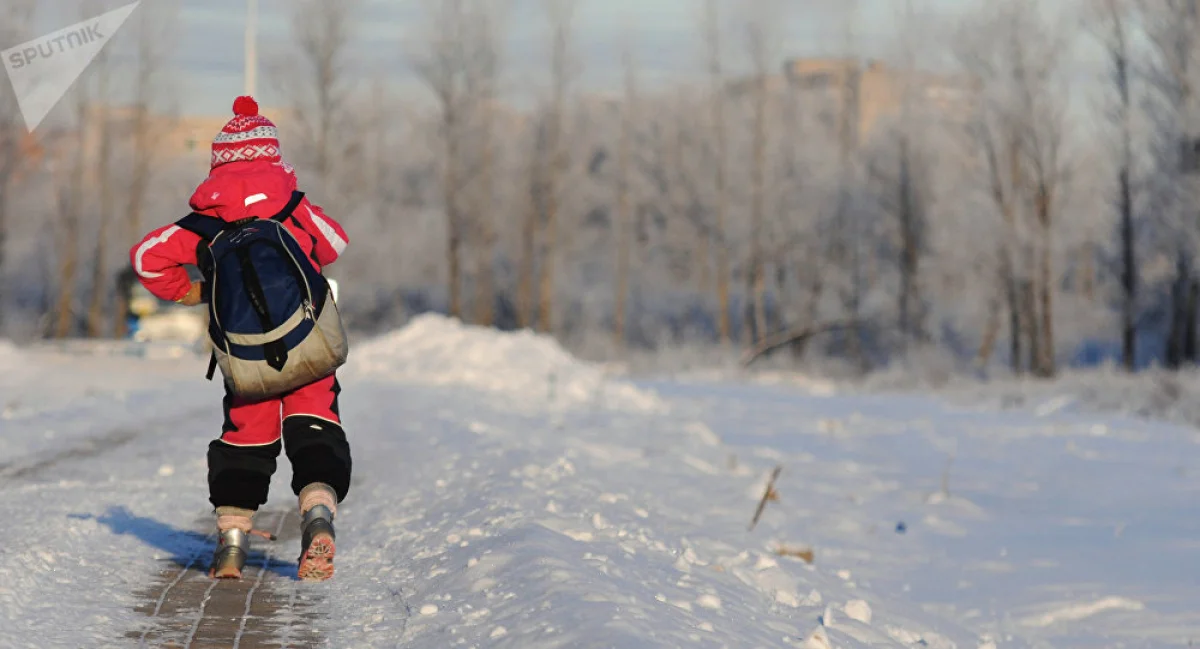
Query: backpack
x=272, y=322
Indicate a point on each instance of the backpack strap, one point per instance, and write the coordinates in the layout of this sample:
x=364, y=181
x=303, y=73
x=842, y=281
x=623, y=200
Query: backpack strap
x=208, y=227
x=284, y=214
x=205, y=227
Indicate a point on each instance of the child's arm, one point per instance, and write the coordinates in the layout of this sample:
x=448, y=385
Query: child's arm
x=158, y=260
x=331, y=239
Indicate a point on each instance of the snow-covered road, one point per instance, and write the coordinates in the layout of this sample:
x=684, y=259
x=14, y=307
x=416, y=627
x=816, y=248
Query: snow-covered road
x=506, y=495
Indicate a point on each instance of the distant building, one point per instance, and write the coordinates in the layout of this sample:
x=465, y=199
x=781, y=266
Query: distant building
x=860, y=94
x=175, y=138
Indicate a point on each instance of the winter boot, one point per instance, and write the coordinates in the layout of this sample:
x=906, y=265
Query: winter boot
x=234, y=526
x=318, y=506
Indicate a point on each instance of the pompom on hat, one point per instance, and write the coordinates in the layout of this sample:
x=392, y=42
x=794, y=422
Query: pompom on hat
x=248, y=136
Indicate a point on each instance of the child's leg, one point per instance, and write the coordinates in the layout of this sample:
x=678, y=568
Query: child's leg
x=240, y=466
x=314, y=440
x=242, y=461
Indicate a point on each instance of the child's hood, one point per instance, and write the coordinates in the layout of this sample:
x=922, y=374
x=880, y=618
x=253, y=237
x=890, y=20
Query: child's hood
x=238, y=190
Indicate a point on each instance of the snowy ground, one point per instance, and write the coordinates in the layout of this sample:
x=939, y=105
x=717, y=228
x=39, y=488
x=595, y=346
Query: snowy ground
x=509, y=496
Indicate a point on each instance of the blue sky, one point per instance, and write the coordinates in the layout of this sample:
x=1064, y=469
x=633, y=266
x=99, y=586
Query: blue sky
x=207, y=48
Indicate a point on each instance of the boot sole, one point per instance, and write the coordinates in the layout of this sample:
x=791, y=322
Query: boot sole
x=316, y=564
x=228, y=565
x=228, y=572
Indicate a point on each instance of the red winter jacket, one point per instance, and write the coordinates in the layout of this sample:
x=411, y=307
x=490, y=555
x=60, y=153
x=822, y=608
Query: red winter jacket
x=233, y=192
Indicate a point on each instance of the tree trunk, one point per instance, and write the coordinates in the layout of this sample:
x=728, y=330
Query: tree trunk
x=561, y=15
x=720, y=182
x=485, y=290
x=1189, y=329
x=1014, y=318
x=450, y=190
x=1031, y=325
x=991, y=331
x=724, y=325
x=4, y=301
x=546, y=283
x=1129, y=275
x=816, y=287
x=454, y=259
x=751, y=332
x=525, y=271
x=1175, y=336
x=779, y=323
x=909, y=255
x=143, y=152
x=1047, y=364
x=624, y=219
x=97, y=318
x=64, y=310
x=758, y=180
x=1119, y=53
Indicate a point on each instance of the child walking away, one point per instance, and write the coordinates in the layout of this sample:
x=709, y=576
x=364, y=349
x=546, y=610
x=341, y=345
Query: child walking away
x=275, y=333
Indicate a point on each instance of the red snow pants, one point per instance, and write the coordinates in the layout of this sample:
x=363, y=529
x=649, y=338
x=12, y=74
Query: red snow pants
x=305, y=422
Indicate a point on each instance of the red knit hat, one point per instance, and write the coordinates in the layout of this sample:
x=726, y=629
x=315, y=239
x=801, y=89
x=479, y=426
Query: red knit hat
x=248, y=136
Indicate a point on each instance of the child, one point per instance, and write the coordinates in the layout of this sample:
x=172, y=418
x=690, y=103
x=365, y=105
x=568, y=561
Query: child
x=249, y=179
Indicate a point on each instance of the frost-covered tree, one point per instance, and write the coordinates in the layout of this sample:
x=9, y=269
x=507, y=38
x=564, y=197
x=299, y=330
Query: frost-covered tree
x=15, y=142
x=1016, y=61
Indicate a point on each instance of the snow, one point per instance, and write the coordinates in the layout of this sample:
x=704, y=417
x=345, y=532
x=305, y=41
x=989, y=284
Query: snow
x=436, y=350
x=1073, y=612
x=483, y=514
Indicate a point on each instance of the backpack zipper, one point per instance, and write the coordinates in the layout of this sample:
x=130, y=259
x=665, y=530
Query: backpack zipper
x=307, y=287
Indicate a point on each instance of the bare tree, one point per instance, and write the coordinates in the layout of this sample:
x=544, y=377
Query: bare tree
x=623, y=224
x=485, y=35
x=756, y=285
x=1115, y=33
x=531, y=213
x=323, y=30
x=1020, y=130
x=15, y=17
x=717, y=97
x=442, y=67
x=561, y=14
x=68, y=166
x=909, y=200
x=1170, y=27
x=460, y=64
x=847, y=217
x=155, y=24
x=102, y=125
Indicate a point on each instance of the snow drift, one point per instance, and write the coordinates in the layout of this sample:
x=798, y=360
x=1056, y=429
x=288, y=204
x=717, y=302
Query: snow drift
x=524, y=369
x=9, y=353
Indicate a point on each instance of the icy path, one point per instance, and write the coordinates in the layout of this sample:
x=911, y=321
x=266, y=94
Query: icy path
x=514, y=522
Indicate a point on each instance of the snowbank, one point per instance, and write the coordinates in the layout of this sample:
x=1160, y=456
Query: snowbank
x=522, y=368
x=1152, y=394
x=9, y=353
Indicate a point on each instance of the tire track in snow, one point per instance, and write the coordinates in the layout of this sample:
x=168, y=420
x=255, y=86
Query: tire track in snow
x=90, y=447
x=87, y=449
x=266, y=608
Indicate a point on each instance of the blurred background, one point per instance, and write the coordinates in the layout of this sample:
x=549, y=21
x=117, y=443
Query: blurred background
x=946, y=185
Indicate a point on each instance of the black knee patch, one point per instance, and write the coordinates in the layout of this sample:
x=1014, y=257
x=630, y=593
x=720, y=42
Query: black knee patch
x=319, y=452
x=240, y=476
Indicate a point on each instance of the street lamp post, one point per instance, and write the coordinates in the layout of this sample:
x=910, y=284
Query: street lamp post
x=251, y=73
